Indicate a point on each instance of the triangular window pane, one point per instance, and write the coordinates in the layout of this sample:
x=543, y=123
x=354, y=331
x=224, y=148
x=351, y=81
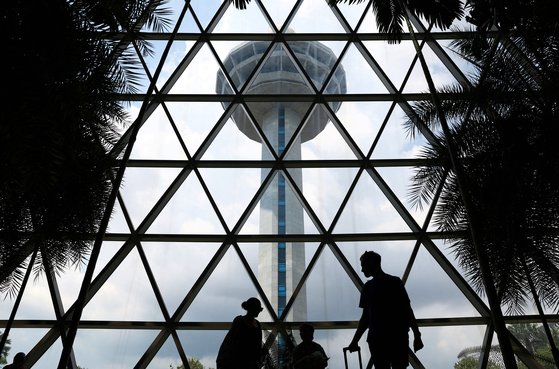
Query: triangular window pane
x=324, y=189
x=279, y=122
x=279, y=75
x=279, y=211
x=143, y=187
x=448, y=300
x=363, y=120
x=139, y=302
x=446, y=347
x=188, y=24
x=232, y=189
x=107, y=252
x=189, y=260
x=166, y=356
x=394, y=59
x=331, y=294
x=205, y=10
x=353, y=12
x=279, y=10
x=194, y=78
x=240, y=63
x=315, y=17
x=369, y=24
x=231, y=282
x=179, y=49
x=202, y=344
x=367, y=202
x=28, y=308
x=189, y=211
x=249, y=20
x=437, y=70
x=395, y=141
x=318, y=60
x=236, y=141
x=117, y=224
x=279, y=267
x=328, y=145
x=112, y=348
x=156, y=139
x=194, y=121
x=360, y=77
x=399, y=180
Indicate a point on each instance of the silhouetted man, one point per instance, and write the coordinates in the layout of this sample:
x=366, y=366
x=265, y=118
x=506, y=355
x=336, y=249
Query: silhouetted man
x=387, y=314
x=18, y=362
x=309, y=354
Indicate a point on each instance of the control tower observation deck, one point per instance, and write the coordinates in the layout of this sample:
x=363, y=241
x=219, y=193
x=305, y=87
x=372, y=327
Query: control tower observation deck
x=282, y=264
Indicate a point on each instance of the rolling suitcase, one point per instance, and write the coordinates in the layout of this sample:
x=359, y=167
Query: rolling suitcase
x=346, y=349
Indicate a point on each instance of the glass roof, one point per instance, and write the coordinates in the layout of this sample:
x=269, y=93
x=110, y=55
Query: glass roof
x=210, y=166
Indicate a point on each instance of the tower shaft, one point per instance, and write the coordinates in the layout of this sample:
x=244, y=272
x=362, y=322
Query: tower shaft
x=282, y=264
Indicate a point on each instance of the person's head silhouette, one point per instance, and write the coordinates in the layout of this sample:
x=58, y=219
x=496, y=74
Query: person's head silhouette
x=370, y=264
x=252, y=306
x=307, y=332
x=19, y=360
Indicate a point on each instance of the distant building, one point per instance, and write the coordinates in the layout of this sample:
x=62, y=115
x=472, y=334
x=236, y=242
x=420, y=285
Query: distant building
x=282, y=264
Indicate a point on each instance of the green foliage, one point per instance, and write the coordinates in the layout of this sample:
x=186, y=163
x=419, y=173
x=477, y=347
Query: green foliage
x=510, y=165
x=59, y=122
x=5, y=351
x=193, y=363
x=391, y=15
x=531, y=336
x=469, y=362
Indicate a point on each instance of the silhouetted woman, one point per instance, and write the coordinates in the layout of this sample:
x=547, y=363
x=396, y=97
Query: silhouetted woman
x=242, y=346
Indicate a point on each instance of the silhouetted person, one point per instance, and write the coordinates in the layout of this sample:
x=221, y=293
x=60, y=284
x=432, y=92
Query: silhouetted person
x=387, y=314
x=242, y=346
x=309, y=354
x=18, y=362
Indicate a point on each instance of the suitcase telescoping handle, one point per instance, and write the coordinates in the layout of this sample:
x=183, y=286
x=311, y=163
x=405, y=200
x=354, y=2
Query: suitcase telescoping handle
x=346, y=349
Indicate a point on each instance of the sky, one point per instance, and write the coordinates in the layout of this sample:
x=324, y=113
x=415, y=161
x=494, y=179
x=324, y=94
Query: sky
x=331, y=295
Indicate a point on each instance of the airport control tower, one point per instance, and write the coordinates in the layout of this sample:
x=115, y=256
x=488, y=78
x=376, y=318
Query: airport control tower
x=282, y=264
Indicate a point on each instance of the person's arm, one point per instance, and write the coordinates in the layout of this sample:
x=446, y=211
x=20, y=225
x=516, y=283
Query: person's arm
x=361, y=328
x=417, y=342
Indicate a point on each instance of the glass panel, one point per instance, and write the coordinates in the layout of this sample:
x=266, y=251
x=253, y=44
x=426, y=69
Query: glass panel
x=432, y=292
x=143, y=187
x=126, y=295
x=157, y=139
x=221, y=297
x=367, y=201
x=443, y=345
x=188, y=211
x=315, y=17
x=112, y=348
x=272, y=113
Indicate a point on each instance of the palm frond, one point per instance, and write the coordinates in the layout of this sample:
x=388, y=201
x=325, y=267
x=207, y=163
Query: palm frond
x=55, y=141
x=350, y=2
x=440, y=13
x=240, y=4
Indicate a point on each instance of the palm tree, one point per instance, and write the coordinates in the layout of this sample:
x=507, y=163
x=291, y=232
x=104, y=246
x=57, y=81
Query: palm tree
x=512, y=15
x=58, y=122
x=391, y=14
x=504, y=137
